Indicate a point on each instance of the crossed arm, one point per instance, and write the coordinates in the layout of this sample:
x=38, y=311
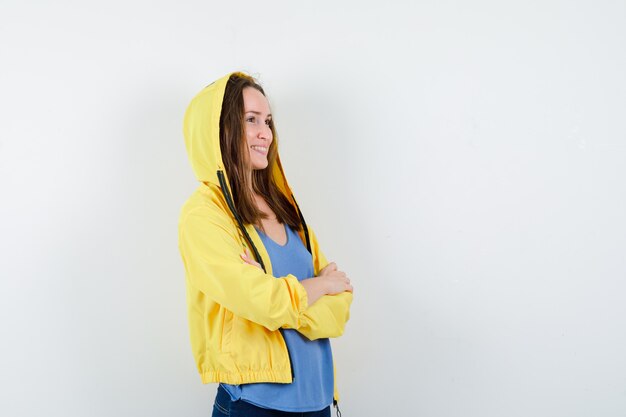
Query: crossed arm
x=329, y=297
x=210, y=249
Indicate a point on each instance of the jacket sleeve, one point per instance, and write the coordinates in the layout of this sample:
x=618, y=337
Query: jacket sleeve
x=210, y=249
x=327, y=317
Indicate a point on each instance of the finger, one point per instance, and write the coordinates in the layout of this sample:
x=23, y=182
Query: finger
x=328, y=269
x=331, y=267
x=250, y=261
x=247, y=257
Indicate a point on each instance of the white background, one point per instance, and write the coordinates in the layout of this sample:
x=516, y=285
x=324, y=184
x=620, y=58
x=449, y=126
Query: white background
x=464, y=162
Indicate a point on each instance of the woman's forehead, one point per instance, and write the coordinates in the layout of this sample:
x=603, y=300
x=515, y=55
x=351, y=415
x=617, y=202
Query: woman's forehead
x=255, y=102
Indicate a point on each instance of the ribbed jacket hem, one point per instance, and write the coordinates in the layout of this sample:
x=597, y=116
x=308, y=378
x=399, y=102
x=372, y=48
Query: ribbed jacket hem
x=281, y=377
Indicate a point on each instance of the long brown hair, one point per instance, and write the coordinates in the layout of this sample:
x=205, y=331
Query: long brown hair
x=235, y=155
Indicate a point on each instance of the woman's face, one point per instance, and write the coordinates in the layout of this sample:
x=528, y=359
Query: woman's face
x=257, y=120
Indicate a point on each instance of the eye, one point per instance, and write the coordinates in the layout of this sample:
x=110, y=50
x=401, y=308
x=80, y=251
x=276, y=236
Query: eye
x=250, y=119
x=268, y=122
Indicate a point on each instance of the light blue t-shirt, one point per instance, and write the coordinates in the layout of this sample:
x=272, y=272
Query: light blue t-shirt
x=311, y=360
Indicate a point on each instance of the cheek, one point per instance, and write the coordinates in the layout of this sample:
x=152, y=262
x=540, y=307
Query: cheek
x=249, y=139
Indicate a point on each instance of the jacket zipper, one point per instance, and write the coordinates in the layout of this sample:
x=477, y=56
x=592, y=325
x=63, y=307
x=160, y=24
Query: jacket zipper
x=231, y=206
x=304, y=226
x=293, y=375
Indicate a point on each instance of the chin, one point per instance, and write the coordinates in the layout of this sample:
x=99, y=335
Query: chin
x=261, y=165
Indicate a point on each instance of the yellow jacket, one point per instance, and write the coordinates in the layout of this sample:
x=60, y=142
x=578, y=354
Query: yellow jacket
x=235, y=309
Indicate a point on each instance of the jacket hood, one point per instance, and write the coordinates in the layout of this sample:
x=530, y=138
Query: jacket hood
x=201, y=128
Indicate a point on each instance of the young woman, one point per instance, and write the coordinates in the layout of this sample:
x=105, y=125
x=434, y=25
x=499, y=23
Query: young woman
x=262, y=298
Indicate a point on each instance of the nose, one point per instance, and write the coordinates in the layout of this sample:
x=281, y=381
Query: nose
x=265, y=132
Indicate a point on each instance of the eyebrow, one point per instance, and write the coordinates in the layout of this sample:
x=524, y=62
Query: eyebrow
x=258, y=112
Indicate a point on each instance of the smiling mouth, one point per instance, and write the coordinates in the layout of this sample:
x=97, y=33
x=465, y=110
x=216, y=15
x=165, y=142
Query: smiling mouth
x=260, y=149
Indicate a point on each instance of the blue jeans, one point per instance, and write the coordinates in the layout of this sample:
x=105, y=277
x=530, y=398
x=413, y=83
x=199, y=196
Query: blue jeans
x=225, y=407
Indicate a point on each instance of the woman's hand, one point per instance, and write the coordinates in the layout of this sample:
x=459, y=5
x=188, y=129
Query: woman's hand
x=248, y=259
x=336, y=280
x=330, y=281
